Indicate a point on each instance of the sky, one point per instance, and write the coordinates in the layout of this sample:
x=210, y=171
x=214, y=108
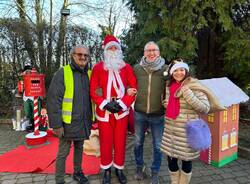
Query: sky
x=87, y=13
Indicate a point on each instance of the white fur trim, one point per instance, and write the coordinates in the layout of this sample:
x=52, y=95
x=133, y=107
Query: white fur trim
x=121, y=86
x=122, y=115
x=109, y=44
x=178, y=65
x=103, y=119
x=118, y=167
x=124, y=107
x=107, y=113
x=106, y=166
x=104, y=102
x=110, y=79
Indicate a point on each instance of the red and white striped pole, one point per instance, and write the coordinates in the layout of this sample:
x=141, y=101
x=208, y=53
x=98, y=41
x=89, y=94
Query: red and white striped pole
x=209, y=155
x=37, y=137
x=36, y=117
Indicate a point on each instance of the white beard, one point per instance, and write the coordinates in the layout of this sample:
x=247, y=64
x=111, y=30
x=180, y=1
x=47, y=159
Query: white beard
x=113, y=60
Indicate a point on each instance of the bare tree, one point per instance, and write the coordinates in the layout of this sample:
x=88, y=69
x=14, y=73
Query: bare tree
x=116, y=19
x=111, y=23
x=40, y=38
x=26, y=31
x=49, y=48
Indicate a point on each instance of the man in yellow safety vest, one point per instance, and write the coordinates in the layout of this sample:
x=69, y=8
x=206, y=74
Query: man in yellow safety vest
x=69, y=111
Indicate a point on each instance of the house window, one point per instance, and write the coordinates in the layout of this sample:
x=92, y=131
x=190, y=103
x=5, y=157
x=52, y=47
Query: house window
x=211, y=118
x=233, y=141
x=224, y=141
x=234, y=113
x=225, y=116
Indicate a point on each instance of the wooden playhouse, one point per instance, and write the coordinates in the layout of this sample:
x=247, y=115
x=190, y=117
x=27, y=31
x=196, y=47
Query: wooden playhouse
x=224, y=125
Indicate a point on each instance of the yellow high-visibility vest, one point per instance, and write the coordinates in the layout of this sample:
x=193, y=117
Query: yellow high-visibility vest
x=67, y=104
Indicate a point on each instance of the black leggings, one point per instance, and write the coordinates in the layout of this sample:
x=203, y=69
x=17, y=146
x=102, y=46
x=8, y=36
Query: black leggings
x=173, y=165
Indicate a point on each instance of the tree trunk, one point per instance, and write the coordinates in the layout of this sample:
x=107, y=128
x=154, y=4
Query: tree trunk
x=26, y=35
x=206, y=53
x=1, y=61
x=40, y=31
x=49, y=48
x=210, y=62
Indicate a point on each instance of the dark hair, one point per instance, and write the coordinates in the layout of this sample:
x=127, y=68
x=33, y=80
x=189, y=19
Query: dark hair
x=170, y=78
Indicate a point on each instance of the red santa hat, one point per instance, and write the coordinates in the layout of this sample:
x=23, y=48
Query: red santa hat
x=109, y=41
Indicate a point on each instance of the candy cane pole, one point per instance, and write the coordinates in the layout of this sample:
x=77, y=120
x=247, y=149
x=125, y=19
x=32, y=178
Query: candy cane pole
x=36, y=117
x=209, y=155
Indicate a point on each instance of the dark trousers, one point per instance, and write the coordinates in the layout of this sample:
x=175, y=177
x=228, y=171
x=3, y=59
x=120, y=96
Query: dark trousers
x=63, y=151
x=173, y=165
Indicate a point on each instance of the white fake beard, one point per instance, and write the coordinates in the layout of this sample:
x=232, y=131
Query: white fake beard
x=113, y=60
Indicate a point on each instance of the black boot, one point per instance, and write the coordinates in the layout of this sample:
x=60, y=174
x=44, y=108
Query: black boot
x=120, y=175
x=80, y=177
x=106, y=179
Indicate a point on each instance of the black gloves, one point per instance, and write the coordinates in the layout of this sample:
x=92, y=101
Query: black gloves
x=113, y=107
x=117, y=106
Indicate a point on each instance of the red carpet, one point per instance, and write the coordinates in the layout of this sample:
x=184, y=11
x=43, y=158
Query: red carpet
x=42, y=160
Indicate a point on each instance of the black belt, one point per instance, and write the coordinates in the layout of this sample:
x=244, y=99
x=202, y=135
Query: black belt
x=112, y=99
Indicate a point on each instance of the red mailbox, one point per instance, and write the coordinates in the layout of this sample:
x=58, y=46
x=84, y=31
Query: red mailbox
x=34, y=84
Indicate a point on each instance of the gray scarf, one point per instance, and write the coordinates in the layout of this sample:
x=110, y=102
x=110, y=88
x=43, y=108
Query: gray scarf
x=152, y=66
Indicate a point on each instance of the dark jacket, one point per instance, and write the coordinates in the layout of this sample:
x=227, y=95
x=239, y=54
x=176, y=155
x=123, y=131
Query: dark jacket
x=81, y=114
x=151, y=90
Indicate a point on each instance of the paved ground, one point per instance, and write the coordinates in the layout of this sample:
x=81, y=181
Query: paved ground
x=233, y=173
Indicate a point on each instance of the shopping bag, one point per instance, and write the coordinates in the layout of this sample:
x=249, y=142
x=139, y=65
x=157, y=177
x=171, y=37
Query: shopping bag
x=92, y=146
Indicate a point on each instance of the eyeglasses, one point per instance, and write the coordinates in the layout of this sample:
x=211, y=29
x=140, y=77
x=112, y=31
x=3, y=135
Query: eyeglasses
x=151, y=50
x=81, y=54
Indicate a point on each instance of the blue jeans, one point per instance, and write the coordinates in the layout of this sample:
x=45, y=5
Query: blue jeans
x=156, y=124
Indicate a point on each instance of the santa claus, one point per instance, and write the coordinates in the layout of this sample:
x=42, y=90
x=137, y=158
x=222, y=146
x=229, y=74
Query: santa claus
x=108, y=84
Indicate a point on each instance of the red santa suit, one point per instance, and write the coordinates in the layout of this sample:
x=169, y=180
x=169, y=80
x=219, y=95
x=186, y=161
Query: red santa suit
x=107, y=85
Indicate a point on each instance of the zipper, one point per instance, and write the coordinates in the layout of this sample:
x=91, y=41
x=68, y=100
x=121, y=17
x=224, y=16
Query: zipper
x=149, y=91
